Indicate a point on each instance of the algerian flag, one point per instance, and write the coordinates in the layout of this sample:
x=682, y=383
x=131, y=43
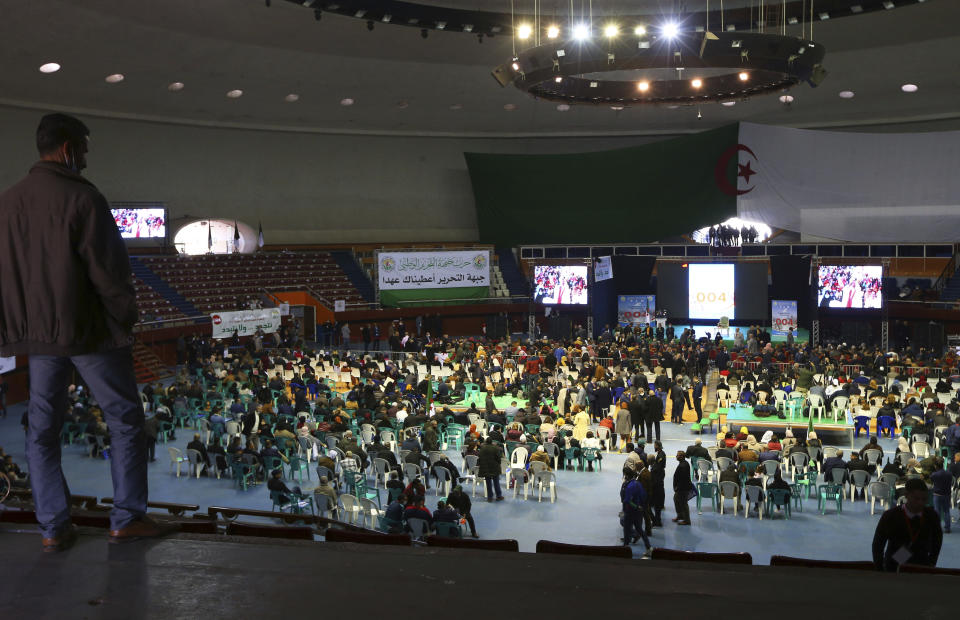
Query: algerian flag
x=236, y=231
x=209, y=236
x=850, y=186
x=260, y=235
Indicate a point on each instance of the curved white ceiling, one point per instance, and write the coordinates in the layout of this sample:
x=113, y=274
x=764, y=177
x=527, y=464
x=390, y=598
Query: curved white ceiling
x=404, y=85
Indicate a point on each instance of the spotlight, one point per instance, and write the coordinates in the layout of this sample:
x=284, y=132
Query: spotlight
x=611, y=30
x=553, y=32
x=515, y=65
x=744, y=76
x=639, y=31
x=423, y=33
x=370, y=25
x=581, y=32
x=441, y=25
x=669, y=30
x=524, y=31
x=696, y=82
x=909, y=88
x=558, y=79
x=643, y=86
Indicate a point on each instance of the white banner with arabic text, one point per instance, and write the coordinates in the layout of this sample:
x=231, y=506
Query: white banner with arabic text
x=245, y=322
x=440, y=269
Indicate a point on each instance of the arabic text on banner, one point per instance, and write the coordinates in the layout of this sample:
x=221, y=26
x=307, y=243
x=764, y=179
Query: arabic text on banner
x=441, y=269
x=784, y=317
x=636, y=309
x=245, y=322
x=602, y=269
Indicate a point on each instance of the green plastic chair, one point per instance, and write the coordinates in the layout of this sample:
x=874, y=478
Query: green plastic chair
x=295, y=506
x=385, y=525
x=590, y=456
x=297, y=466
x=357, y=481
x=448, y=530
x=163, y=431
x=243, y=473
x=750, y=467
x=830, y=493
x=712, y=491
x=795, y=491
x=271, y=464
x=570, y=458
x=697, y=428
x=778, y=497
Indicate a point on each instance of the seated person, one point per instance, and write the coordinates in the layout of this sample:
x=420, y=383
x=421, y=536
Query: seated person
x=416, y=510
x=287, y=495
x=445, y=513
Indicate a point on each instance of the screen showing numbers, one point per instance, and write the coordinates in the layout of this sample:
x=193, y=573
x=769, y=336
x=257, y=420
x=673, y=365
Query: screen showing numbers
x=711, y=291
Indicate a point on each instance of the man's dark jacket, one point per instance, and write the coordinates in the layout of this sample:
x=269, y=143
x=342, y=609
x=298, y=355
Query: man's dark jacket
x=65, y=283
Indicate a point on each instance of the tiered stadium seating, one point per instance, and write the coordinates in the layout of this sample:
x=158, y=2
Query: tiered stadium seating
x=217, y=282
x=151, y=304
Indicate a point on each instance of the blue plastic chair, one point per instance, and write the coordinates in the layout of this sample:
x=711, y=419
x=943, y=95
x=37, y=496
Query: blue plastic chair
x=861, y=423
x=886, y=423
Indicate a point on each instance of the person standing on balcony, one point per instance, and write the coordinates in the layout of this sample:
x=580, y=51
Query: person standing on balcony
x=67, y=301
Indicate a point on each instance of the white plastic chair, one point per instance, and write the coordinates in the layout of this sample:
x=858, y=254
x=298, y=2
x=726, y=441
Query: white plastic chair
x=921, y=449
x=351, y=507
x=753, y=496
x=369, y=510
x=381, y=469
x=442, y=475
x=878, y=490
x=518, y=460
x=196, y=461
x=546, y=480
x=730, y=490
x=176, y=458
x=705, y=469
x=519, y=477
x=418, y=528
x=603, y=434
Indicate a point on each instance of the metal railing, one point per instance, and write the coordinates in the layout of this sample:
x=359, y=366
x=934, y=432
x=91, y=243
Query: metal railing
x=947, y=273
x=195, y=319
x=512, y=299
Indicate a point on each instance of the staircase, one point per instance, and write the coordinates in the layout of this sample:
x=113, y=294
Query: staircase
x=512, y=276
x=147, y=365
x=951, y=291
x=148, y=277
x=355, y=274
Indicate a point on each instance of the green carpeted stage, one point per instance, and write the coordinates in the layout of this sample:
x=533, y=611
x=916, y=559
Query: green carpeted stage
x=743, y=416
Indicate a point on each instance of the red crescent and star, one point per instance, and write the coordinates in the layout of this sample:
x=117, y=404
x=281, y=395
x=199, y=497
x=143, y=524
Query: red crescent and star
x=743, y=170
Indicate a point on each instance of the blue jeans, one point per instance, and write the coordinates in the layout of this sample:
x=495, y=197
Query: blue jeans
x=633, y=522
x=493, y=485
x=114, y=385
x=941, y=503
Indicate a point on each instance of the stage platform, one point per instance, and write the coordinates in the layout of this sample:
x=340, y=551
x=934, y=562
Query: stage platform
x=743, y=416
x=196, y=576
x=702, y=330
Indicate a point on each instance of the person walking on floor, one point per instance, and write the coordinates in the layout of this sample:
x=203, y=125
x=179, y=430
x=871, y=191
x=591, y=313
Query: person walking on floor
x=634, y=500
x=73, y=306
x=682, y=486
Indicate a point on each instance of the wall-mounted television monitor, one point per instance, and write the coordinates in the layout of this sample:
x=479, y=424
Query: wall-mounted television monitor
x=141, y=222
x=853, y=287
x=560, y=284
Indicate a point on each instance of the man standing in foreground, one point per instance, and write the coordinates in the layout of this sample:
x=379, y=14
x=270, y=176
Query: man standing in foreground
x=66, y=298
x=908, y=534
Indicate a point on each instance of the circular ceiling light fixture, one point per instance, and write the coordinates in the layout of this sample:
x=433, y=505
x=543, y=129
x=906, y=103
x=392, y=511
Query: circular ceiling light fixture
x=640, y=31
x=730, y=71
x=346, y=101
x=510, y=107
x=728, y=104
x=670, y=30
x=909, y=88
x=846, y=94
x=524, y=31
x=616, y=108
x=114, y=78
x=786, y=98
x=49, y=67
x=235, y=93
x=175, y=87
x=611, y=30
x=563, y=107
x=553, y=32
x=292, y=98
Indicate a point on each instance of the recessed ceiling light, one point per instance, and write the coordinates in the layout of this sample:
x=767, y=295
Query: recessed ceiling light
x=524, y=31
x=729, y=104
x=292, y=98
x=846, y=94
x=744, y=76
x=786, y=98
x=235, y=93
x=643, y=86
x=510, y=107
x=346, y=101
x=640, y=31
x=672, y=107
x=456, y=106
x=114, y=78
x=50, y=67
x=553, y=32
x=563, y=107
x=558, y=79
x=696, y=82
x=909, y=88
x=616, y=108
x=403, y=105
x=888, y=5
x=175, y=87
x=824, y=16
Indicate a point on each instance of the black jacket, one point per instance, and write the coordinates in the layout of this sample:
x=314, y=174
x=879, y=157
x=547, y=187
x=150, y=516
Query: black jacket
x=65, y=284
